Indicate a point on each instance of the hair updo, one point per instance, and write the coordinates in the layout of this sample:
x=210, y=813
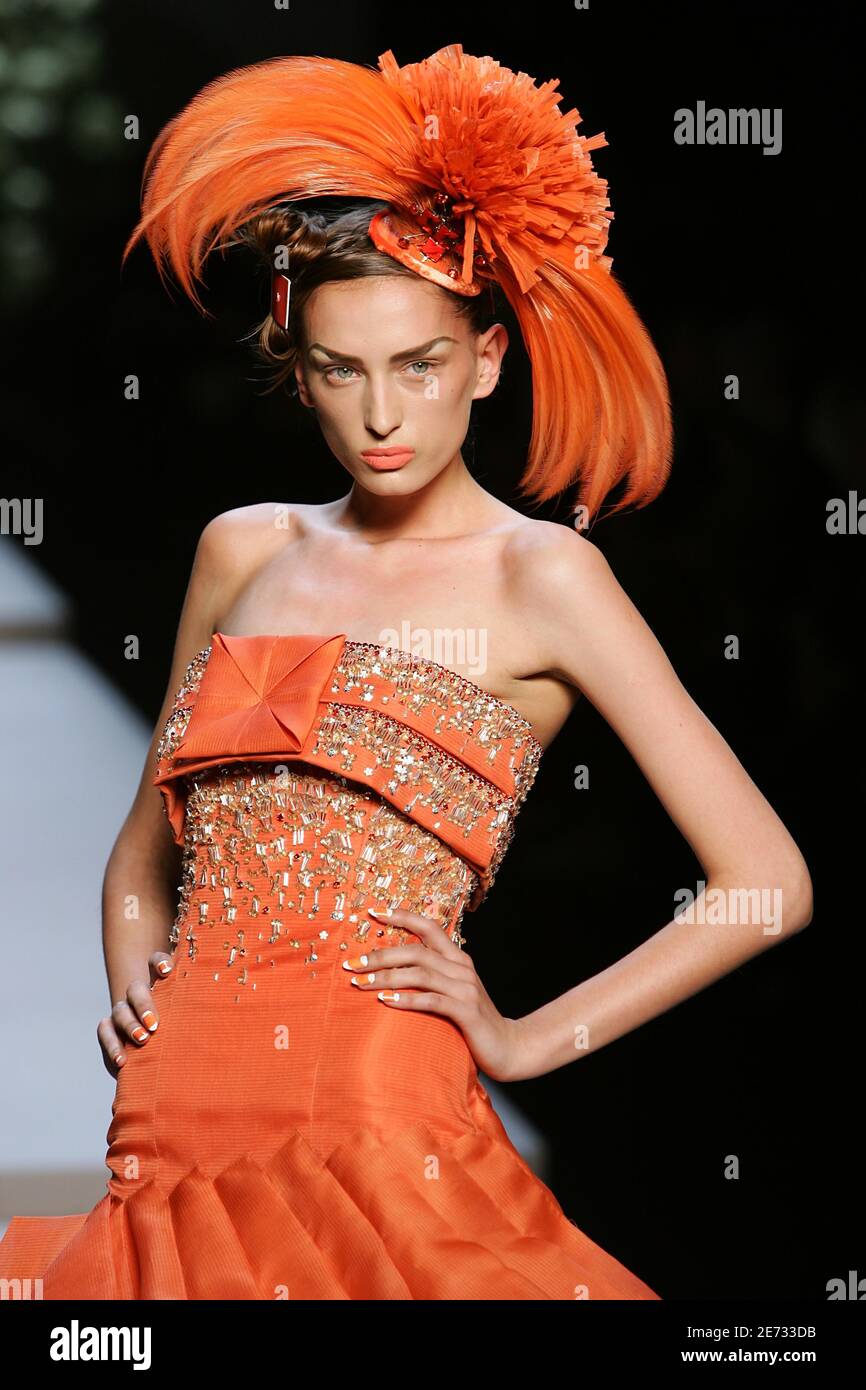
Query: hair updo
x=313, y=250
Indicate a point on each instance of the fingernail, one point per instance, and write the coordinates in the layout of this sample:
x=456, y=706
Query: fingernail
x=146, y=1017
x=140, y=1034
x=355, y=981
x=164, y=966
x=386, y=996
x=119, y=1059
x=379, y=912
x=356, y=963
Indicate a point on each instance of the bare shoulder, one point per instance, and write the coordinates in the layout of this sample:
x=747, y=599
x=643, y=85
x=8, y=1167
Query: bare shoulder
x=231, y=549
x=569, y=601
x=236, y=544
x=233, y=536
x=545, y=562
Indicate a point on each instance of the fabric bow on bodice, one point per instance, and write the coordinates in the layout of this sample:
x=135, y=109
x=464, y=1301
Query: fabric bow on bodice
x=258, y=695
x=438, y=747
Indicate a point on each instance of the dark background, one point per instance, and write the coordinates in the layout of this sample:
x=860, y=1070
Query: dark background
x=738, y=262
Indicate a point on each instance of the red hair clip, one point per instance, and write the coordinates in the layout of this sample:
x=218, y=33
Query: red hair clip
x=281, y=293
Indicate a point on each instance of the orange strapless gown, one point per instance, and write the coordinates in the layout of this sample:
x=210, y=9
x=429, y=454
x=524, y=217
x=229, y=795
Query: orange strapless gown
x=284, y=1134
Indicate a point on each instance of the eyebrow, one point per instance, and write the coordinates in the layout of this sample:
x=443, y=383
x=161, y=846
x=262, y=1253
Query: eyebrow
x=398, y=356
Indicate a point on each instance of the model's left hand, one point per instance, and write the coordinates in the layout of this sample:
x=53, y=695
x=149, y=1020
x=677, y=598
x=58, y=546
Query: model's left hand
x=437, y=977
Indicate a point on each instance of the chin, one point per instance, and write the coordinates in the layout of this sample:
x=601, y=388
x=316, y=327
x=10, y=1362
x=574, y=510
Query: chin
x=395, y=482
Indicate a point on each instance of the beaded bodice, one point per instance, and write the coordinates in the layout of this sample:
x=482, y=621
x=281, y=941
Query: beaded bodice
x=348, y=769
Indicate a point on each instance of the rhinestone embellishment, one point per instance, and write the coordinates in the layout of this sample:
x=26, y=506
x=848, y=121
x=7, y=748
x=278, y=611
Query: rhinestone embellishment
x=288, y=856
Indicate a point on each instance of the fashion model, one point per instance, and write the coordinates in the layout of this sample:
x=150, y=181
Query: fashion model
x=298, y=1110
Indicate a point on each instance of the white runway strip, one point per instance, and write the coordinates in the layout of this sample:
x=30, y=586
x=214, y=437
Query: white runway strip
x=71, y=751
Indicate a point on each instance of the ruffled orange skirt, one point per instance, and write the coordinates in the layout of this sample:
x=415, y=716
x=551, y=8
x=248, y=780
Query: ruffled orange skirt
x=409, y=1217
x=362, y=1161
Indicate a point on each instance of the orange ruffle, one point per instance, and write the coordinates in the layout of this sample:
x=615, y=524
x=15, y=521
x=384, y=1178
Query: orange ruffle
x=410, y=1215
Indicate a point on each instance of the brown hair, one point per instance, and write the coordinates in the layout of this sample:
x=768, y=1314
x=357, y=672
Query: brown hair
x=321, y=249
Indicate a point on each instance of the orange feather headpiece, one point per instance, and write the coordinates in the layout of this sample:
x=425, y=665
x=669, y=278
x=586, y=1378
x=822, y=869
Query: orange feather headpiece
x=486, y=179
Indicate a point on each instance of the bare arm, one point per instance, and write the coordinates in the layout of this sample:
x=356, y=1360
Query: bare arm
x=603, y=646
x=139, y=891
x=142, y=876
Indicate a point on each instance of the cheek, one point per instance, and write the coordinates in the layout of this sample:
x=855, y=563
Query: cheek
x=334, y=408
x=443, y=400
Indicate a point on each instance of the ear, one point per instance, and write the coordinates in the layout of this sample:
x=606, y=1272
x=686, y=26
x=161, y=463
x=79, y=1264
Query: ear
x=492, y=347
x=303, y=393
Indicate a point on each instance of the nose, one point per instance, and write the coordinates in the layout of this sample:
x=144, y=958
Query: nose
x=383, y=413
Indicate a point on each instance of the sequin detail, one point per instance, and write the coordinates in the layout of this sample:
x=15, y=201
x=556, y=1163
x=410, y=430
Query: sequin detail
x=280, y=855
x=276, y=860
x=175, y=725
x=456, y=702
x=360, y=740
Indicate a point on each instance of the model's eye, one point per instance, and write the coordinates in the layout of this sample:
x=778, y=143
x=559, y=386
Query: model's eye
x=330, y=372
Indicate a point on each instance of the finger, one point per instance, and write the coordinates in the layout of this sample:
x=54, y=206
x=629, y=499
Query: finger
x=113, y=1052
x=126, y=1021
x=430, y=930
x=377, y=957
x=161, y=964
x=397, y=960
x=423, y=1001
x=421, y=976
x=140, y=1000
x=413, y=953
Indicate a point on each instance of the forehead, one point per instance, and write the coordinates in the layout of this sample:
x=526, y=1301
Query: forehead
x=381, y=313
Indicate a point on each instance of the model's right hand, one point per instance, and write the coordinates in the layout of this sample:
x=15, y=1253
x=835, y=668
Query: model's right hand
x=134, y=1017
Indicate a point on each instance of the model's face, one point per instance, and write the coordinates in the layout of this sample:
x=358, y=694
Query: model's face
x=390, y=364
